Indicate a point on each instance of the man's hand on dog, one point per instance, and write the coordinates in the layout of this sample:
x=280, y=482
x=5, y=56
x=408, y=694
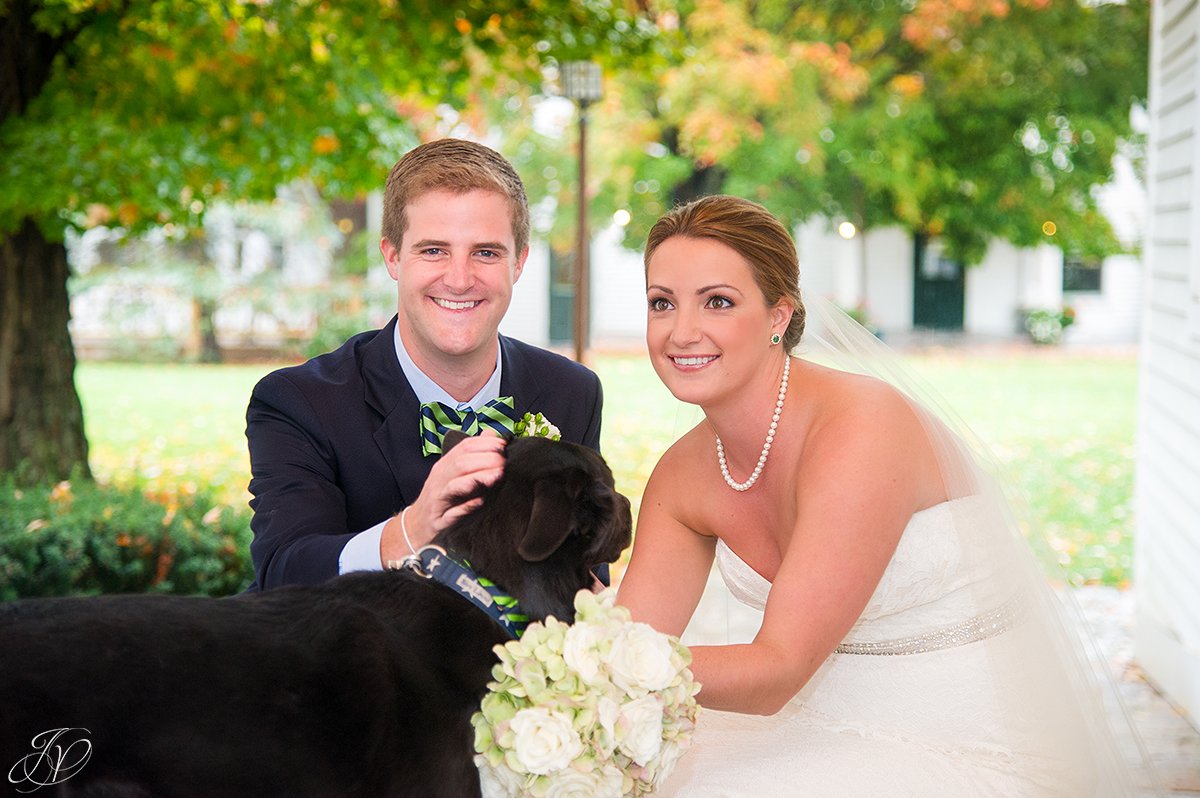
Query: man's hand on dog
x=471, y=461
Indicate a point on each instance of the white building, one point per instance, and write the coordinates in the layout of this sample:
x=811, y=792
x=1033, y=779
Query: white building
x=1168, y=454
x=905, y=290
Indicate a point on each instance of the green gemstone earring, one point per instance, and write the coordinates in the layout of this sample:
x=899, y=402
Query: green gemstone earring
x=775, y=339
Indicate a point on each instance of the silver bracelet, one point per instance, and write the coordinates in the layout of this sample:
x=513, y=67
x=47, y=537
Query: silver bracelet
x=396, y=565
x=404, y=530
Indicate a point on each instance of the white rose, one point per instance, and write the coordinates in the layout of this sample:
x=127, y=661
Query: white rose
x=639, y=729
x=498, y=782
x=599, y=783
x=640, y=659
x=580, y=650
x=543, y=741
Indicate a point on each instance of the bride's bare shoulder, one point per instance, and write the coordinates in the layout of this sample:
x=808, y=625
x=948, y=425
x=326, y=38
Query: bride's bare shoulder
x=863, y=426
x=842, y=384
x=844, y=401
x=681, y=456
x=672, y=488
x=677, y=472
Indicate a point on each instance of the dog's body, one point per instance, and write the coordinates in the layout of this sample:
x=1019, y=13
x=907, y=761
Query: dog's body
x=363, y=686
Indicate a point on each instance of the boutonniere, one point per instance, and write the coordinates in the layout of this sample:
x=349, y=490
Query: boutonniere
x=535, y=425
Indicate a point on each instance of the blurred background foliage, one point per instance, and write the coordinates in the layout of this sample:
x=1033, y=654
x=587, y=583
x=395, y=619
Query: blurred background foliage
x=963, y=120
x=152, y=108
x=78, y=537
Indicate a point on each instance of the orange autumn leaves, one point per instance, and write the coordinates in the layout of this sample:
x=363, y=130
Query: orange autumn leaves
x=744, y=81
x=935, y=21
x=719, y=95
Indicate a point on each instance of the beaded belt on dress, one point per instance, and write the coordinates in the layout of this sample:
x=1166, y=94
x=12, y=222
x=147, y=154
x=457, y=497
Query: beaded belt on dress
x=981, y=627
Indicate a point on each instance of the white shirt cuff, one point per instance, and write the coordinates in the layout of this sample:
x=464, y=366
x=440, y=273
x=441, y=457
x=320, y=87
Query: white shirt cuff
x=361, y=552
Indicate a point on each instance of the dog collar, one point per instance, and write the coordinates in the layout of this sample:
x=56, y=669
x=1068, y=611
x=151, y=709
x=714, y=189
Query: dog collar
x=432, y=562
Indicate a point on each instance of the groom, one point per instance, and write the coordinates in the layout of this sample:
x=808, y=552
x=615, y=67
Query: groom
x=346, y=466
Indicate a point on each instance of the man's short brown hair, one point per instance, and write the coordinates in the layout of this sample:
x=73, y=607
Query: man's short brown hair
x=457, y=166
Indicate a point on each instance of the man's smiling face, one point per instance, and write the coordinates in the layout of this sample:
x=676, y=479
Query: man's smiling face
x=455, y=269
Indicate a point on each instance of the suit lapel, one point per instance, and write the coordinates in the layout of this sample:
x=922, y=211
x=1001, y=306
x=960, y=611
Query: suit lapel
x=517, y=379
x=388, y=392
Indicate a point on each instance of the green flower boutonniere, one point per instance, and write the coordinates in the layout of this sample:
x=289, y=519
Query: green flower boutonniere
x=535, y=425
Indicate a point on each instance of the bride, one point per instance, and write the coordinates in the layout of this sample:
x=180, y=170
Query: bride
x=908, y=645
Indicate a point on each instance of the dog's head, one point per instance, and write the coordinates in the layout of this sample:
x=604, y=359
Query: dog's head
x=551, y=517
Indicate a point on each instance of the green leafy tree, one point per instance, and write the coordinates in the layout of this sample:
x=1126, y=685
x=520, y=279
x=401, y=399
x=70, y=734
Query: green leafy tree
x=136, y=113
x=962, y=119
x=727, y=109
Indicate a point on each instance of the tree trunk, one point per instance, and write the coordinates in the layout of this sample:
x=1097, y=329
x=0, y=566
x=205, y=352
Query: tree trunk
x=41, y=419
x=205, y=297
x=860, y=210
x=210, y=348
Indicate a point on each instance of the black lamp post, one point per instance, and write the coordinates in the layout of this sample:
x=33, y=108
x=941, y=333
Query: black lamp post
x=581, y=83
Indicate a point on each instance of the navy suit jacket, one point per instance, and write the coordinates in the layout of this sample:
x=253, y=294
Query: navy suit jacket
x=335, y=445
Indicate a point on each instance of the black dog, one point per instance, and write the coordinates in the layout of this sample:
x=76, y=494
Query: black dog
x=362, y=686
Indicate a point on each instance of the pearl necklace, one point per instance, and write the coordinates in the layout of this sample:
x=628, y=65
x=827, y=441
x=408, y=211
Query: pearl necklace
x=762, y=458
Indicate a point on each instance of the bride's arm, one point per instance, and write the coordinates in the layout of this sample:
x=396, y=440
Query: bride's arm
x=863, y=473
x=669, y=566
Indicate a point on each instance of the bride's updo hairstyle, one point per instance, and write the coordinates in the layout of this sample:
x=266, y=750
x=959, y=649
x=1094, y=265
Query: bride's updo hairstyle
x=753, y=232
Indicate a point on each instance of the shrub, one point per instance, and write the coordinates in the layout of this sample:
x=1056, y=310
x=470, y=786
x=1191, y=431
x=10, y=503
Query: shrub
x=1047, y=326
x=859, y=314
x=335, y=329
x=80, y=537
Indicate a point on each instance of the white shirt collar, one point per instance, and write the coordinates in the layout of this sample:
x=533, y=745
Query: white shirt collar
x=429, y=391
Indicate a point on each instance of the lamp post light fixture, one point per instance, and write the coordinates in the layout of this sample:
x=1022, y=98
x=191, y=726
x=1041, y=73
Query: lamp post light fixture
x=581, y=84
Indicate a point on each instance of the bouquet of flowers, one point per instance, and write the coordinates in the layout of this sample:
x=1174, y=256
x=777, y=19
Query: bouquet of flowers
x=535, y=425
x=602, y=708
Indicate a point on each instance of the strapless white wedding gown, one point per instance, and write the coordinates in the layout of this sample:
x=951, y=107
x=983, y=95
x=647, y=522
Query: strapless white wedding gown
x=919, y=700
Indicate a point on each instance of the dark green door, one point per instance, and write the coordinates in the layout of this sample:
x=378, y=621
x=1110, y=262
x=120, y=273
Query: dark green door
x=939, y=290
x=562, y=296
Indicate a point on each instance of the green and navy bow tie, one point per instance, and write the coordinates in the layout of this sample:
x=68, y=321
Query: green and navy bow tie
x=437, y=419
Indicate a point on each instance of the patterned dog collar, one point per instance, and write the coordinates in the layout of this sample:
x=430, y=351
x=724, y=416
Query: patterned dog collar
x=432, y=562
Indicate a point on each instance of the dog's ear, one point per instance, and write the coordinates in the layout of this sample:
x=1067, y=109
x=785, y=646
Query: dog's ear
x=550, y=521
x=452, y=439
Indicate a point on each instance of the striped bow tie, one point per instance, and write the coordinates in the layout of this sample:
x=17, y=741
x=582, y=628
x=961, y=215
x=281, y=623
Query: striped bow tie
x=437, y=419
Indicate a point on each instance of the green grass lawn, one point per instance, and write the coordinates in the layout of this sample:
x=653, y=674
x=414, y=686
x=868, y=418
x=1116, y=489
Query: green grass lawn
x=1060, y=424
x=1062, y=428
x=169, y=426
